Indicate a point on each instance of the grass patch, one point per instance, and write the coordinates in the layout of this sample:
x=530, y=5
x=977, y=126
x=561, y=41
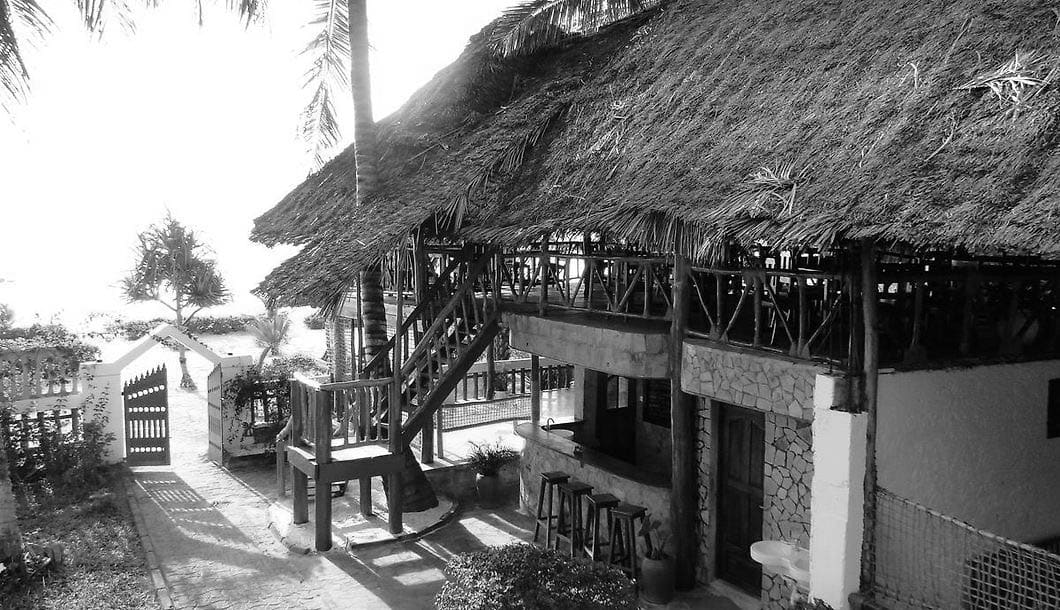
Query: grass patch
x=104, y=566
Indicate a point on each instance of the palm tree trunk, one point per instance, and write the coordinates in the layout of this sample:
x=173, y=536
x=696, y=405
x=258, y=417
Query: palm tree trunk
x=418, y=493
x=10, y=537
x=186, y=381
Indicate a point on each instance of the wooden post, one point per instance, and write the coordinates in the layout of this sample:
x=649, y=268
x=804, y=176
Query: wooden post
x=542, y=304
x=300, y=483
x=683, y=497
x=394, y=500
x=365, y=484
x=358, y=334
x=870, y=385
x=804, y=318
x=281, y=468
x=756, y=279
x=440, y=430
x=491, y=371
x=535, y=388
x=320, y=402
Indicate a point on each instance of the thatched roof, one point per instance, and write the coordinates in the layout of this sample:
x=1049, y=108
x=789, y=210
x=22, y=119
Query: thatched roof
x=797, y=122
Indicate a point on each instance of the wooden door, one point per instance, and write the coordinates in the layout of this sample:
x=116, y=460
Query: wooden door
x=741, y=451
x=214, y=415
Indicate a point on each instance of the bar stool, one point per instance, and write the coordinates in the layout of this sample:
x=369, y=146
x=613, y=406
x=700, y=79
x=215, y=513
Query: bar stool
x=549, y=480
x=595, y=504
x=569, y=523
x=624, y=537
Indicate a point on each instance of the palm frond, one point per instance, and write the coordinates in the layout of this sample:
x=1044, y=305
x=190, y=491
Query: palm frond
x=97, y=15
x=767, y=193
x=28, y=16
x=1013, y=79
x=329, y=53
x=536, y=24
x=250, y=11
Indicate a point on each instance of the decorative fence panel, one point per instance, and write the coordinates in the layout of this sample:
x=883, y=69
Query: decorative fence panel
x=23, y=431
x=39, y=373
x=147, y=419
x=924, y=559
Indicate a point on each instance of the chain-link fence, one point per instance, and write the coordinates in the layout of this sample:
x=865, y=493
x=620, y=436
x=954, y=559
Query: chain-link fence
x=925, y=559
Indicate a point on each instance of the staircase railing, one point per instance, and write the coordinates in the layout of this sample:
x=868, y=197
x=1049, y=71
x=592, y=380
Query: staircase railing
x=422, y=314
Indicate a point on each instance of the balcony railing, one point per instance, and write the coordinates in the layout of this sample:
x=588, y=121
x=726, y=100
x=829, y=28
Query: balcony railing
x=623, y=286
x=804, y=314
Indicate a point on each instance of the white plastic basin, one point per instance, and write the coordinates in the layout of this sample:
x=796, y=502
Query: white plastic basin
x=567, y=434
x=800, y=567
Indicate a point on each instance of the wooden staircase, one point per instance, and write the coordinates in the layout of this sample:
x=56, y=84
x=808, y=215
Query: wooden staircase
x=347, y=430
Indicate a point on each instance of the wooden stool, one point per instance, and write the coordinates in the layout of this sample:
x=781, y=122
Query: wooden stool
x=549, y=480
x=569, y=523
x=595, y=503
x=624, y=537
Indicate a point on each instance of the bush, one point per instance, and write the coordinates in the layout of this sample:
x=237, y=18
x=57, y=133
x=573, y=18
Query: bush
x=525, y=577
x=205, y=325
x=54, y=336
x=70, y=463
x=488, y=458
x=314, y=321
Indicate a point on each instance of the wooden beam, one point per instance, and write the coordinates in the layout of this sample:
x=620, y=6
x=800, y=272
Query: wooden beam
x=683, y=497
x=871, y=369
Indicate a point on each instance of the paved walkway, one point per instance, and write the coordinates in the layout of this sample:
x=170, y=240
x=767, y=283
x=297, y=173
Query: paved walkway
x=209, y=532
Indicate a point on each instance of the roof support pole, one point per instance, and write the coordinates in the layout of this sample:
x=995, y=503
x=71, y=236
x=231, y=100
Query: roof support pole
x=870, y=369
x=683, y=501
x=542, y=305
x=535, y=388
x=396, y=491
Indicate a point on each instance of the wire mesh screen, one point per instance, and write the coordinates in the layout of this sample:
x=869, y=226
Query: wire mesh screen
x=925, y=559
x=468, y=414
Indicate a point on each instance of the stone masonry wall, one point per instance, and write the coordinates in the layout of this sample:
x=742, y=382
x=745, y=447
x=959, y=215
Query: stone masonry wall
x=765, y=383
x=788, y=474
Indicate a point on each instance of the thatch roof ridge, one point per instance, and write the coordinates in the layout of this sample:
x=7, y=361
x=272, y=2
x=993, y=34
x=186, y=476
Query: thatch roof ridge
x=796, y=122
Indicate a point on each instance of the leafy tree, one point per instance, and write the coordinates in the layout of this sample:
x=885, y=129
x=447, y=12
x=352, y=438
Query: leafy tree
x=173, y=268
x=270, y=332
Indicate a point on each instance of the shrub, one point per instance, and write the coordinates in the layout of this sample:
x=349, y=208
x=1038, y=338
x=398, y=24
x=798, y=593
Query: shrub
x=488, y=458
x=48, y=335
x=314, y=321
x=525, y=577
x=205, y=325
x=71, y=462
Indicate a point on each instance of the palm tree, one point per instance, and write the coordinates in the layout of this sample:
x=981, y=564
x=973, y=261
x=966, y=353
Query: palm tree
x=270, y=332
x=172, y=268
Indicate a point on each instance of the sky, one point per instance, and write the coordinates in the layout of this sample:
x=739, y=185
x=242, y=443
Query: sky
x=199, y=121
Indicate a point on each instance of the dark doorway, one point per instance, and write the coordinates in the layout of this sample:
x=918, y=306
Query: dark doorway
x=741, y=450
x=616, y=417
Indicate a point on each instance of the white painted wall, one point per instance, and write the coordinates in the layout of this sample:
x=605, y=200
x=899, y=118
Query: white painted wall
x=970, y=442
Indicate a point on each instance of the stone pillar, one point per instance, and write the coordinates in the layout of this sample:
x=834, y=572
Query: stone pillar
x=837, y=492
x=580, y=380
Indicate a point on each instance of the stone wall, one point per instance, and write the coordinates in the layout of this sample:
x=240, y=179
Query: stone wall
x=787, y=478
x=773, y=384
x=537, y=458
x=705, y=460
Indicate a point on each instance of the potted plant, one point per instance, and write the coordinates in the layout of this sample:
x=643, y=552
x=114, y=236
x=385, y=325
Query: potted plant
x=656, y=569
x=487, y=460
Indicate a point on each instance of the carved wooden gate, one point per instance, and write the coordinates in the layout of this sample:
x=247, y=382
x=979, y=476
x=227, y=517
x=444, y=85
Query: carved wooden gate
x=213, y=413
x=147, y=419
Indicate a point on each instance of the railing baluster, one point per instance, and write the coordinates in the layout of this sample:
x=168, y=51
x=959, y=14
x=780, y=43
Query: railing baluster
x=804, y=317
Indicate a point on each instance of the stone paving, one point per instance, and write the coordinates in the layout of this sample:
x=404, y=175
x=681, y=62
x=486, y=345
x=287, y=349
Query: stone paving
x=209, y=533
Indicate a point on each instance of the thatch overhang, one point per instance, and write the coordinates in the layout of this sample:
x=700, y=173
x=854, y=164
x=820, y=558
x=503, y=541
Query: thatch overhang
x=926, y=124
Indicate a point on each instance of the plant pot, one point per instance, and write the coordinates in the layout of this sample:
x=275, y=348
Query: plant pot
x=490, y=490
x=657, y=580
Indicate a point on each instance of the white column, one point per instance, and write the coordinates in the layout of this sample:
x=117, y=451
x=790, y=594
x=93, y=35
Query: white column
x=837, y=496
x=101, y=396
